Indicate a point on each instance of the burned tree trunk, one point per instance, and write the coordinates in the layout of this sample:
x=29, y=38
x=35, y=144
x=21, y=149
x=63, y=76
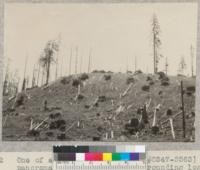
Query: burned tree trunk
x=76, y=61
x=183, y=110
x=38, y=75
x=89, y=61
x=70, y=61
x=48, y=70
x=24, y=79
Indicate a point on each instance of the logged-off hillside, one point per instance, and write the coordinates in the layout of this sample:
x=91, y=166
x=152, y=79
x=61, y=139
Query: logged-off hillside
x=102, y=107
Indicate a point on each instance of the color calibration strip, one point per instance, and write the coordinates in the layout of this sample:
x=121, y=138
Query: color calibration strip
x=99, y=153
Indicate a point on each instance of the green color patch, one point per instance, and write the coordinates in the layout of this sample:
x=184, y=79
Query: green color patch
x=116, y=156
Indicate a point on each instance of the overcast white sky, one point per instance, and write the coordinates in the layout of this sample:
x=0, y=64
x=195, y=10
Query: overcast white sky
x=114, y=32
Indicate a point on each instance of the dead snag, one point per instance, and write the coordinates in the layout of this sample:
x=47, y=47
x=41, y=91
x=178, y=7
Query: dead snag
x=155, y=128
x=182, y=108
x=126, y=91
x=45, y=107
x=172, y=128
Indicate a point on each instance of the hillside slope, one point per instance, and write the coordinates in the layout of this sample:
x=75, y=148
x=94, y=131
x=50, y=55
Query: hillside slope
x=99, y=112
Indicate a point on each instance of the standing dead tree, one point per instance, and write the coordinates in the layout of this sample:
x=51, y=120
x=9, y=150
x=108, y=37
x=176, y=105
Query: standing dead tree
x=5, y=83
x=166, y=66
x=192, y=60
x=135, y=63
x=70, y=61
x=61, y=67
x=12, y=83
x=156, y=42
x=24, y=78
x=127, y=64
x=81, y=63
x=76, y=61
x=33, y=77
x=89, y=61
x=47, y=57
x=182, y=66
x=57, y=56
x=183, y=109
x=38, y=75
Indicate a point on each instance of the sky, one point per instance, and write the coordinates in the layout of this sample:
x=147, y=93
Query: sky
x=115, y=34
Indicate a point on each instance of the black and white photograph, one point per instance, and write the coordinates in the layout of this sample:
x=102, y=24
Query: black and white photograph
x=113, y=72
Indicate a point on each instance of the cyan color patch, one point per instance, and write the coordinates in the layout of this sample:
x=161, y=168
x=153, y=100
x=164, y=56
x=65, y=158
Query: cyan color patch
x=125, y=156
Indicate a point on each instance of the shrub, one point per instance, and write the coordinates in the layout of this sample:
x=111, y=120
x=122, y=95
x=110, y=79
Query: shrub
x=61, y=136
x=129, y=72
x=57, y=124
x=76, y=82
x=193, y=114
x=80, y=97
x=95, y=71
x=98, y=71
x=50, y=134
x=155, y=130
x=138, y=72
x=98, y=114
x=139, y=111
x=134, y=122
x=165, y=79
x=96, y=138
x=102, y=98
x=33, y=132
x=191, y=88
x=130, y=80
x=20, y=100
x=62, y=128
x=133, y=126
x=109, y=72
x=84, y=77
x=65, y=80
x=161, y=75
x=102, y=71
x=148, y=78
x=107, y=77
x=151, y=82
x=165, y=83
x=96, y=104
x=181, y=75
x=55, y=115
x=189, y=93
x=87, y=106
x=145, y=88
x=169, y=112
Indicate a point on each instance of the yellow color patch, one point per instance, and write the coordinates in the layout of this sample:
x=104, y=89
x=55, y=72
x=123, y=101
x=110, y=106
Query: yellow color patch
x=107, y=156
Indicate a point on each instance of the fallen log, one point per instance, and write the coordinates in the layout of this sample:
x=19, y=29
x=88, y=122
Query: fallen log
x=11, y=98
x=129, y=106
x=73, y=124
x=174, y=116
x=126, y=91
x=40, y=124
x=119, y=110
x=95, y=103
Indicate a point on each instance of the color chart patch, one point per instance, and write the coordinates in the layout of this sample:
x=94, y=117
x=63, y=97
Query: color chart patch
x=99, y=153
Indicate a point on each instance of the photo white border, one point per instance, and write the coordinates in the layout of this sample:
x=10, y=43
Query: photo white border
x=46, y=146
